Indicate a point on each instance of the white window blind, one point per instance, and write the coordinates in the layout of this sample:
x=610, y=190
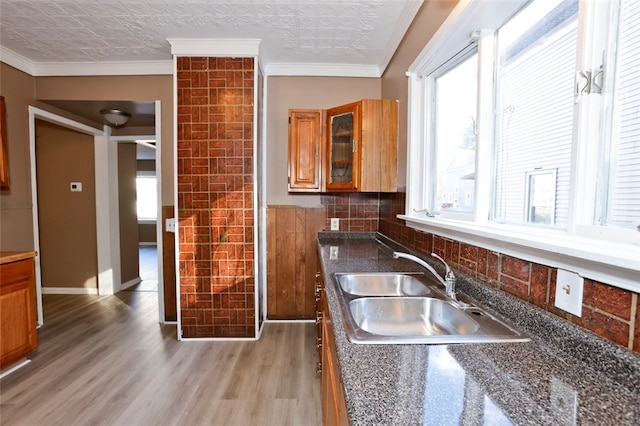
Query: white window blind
x=623, y=200
x=534, y=119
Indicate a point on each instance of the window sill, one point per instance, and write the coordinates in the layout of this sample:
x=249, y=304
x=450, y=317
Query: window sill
x=615, y=264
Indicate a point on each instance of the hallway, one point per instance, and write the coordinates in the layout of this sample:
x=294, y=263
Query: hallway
x=106, y=360
x=148, y=258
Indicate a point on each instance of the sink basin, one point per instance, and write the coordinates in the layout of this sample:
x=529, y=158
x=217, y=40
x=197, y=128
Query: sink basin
x=407, y=308
x=410, y=317
x=383, y=284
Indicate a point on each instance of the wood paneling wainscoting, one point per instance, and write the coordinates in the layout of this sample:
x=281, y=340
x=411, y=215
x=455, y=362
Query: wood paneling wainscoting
x=169, y=266
x=292, y=261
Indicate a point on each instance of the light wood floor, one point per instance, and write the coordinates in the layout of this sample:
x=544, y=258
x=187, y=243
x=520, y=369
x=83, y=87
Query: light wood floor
x=107, y=361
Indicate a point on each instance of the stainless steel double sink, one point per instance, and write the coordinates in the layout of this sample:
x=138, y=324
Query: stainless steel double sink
x=407, y=308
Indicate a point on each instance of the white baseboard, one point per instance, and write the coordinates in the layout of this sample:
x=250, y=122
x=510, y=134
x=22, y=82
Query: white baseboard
x=131, y=283
x=69, y=290
x=148, y=243
x=13, y=367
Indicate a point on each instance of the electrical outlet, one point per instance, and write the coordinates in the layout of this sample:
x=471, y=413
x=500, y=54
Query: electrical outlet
x=335, y=224
x=569, y=289
x=75, y=186
x=170, y=225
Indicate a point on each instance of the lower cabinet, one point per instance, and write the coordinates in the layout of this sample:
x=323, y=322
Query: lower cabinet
x=334, y=409
x=18, y=333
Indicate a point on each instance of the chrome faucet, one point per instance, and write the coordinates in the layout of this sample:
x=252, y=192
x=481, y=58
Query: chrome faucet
x=449, y=280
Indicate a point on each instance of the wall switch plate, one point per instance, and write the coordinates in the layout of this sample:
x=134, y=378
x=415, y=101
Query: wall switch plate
x=75, y=186
x=335, y=224
x=170, y=225
x=569, y=291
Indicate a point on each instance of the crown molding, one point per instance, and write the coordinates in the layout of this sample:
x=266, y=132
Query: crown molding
x=19, y=62
x=322, y=70
x=51, y=69
x=185, y=47
x=104, y=68
x=246, y=47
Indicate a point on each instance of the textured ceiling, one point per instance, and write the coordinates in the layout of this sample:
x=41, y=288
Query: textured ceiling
x=348, y=32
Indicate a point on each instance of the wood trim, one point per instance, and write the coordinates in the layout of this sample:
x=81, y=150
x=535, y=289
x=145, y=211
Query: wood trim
x=4, y=155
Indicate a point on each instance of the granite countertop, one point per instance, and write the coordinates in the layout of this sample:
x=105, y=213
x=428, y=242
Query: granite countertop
x=563, y=376
x=14, y=256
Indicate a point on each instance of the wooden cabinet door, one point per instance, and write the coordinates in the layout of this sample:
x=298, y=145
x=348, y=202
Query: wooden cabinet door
x=334, y=408
x=379, y=146
x=18, y=334
x=305, y=150
x=342, y=171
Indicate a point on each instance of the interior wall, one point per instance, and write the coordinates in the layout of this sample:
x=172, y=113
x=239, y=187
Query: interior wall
x=284, y=93
x=16, y=225
x=122, y=88
x=395, y=84
x=67, y=220
x=129, y=256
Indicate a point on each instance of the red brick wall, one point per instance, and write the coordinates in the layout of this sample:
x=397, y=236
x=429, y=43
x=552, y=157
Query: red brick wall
x=215, y=196
x=610, y=312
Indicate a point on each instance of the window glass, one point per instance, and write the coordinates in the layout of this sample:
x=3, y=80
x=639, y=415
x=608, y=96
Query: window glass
x=455, y=137
x=534, y=109
x=623, y=189
x=147, y=197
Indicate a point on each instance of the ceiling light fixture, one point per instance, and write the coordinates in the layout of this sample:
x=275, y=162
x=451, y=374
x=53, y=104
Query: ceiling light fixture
x=115, y=117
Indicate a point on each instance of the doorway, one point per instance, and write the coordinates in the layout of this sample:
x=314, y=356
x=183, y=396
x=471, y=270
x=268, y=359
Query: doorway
x=106, y=216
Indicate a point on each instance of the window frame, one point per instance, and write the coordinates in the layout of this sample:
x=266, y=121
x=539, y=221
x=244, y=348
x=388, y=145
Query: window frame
x=584, y=248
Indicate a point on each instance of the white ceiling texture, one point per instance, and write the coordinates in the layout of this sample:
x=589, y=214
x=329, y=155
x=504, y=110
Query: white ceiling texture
x=297, y=37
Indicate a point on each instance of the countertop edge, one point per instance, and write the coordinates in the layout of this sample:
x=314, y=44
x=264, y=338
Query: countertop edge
x=15, y=256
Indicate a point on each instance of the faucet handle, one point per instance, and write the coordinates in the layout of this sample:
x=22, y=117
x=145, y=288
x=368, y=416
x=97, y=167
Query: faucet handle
x=448, y=273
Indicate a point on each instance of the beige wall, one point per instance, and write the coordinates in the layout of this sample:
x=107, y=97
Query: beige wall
x=147, y=232
x=67, y=220
x=394, y=80
x=284, y=93
x=127, y=167
x=122, y=88
x=16, y=225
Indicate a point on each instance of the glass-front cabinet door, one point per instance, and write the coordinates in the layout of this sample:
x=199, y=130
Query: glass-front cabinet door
x=342, y=157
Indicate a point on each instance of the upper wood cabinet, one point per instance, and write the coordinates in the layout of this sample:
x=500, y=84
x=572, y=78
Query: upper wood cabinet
x=358, y=152
x=305, y=150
